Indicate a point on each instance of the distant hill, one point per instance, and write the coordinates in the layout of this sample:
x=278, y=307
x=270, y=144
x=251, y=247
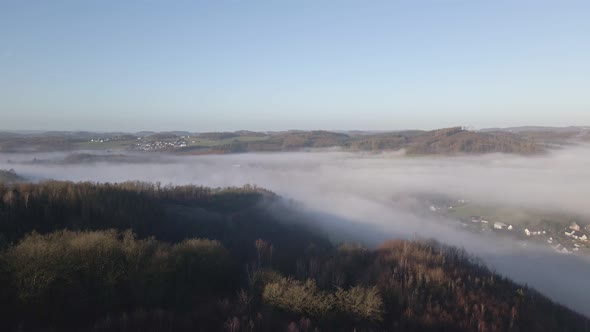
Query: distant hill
x=448, y=141
x=89, y=158
x=10, y=176
x=523, y=129
x=548, y=135
x=219, y=135
x=36, y=143
x=457, y=140
x=443, y=141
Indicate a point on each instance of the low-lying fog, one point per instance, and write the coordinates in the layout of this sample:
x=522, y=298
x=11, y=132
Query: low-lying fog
x=380, y=190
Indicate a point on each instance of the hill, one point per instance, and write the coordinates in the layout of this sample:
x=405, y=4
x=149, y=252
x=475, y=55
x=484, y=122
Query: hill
x=443, y=141
x=549, y=135
x=89, y=158
x=448, y=141
x=457, y=140
x=415, y=142
x=9, y=176
x=141, y=257
x=285, y=141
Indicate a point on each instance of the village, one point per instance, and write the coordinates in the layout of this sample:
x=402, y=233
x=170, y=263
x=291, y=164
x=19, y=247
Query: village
x=148, y=143
x=564, y=238
x=161, y=145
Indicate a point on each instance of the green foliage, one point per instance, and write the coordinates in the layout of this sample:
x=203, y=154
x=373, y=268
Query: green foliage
x=201, y=267
x=298, y=297
x=42, y=263
x=95, y=272
x=360, y=302
x=357, y=304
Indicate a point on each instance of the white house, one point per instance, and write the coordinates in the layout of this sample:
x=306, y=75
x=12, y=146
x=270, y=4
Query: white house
x=561, y=249
x=500, y=225
x=578, y=235
x=527, y=232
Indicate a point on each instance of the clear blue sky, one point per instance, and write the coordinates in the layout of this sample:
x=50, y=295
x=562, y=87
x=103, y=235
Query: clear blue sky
x=274, y=65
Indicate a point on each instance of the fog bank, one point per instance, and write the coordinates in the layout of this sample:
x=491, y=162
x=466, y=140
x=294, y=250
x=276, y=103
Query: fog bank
x=380, y=190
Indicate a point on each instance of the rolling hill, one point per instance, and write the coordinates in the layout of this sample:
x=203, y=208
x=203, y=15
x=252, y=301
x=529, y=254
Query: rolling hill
x=443, y=141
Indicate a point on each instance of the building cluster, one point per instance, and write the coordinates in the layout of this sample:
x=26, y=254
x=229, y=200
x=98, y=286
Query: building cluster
x=578, y=238
x=108, y=139
x=161, y=145
x=497, y=224
x=528, y=232
x=575, y=232
x=573, y=239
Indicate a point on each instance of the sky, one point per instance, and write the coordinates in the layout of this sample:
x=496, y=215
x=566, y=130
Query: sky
x=278, y=65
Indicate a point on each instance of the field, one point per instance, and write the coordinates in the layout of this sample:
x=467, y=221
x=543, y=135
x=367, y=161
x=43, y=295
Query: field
x=201, y=142
x=108, y=145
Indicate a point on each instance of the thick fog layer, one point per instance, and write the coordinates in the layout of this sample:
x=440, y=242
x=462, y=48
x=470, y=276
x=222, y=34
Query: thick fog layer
x=380, y=190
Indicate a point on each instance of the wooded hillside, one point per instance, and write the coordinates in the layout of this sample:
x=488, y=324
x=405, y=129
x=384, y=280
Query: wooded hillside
x=144, y=257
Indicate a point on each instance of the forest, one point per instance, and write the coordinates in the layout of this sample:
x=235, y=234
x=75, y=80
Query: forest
x=138, y=256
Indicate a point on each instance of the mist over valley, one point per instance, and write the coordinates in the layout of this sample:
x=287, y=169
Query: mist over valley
x=371, y=197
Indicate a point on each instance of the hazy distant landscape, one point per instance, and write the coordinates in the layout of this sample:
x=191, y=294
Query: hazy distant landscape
x=509, y=205
x=413, y=142
x=294, y=166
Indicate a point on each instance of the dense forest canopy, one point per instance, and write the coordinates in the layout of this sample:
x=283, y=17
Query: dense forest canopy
x=145, y=257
